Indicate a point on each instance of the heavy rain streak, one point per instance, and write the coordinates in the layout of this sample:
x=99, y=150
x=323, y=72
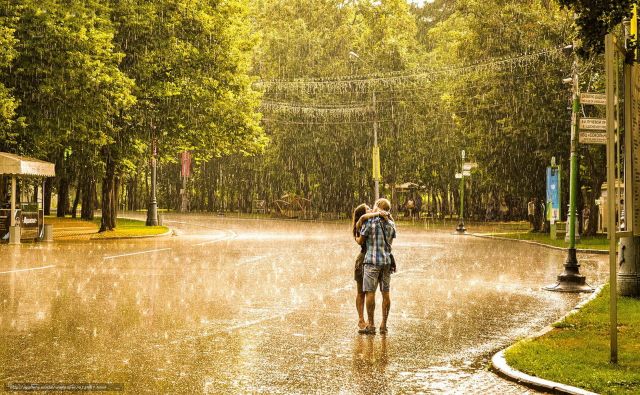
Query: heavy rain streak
x=244, y=134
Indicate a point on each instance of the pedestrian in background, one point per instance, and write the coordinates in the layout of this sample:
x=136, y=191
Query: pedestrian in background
x=531, y=211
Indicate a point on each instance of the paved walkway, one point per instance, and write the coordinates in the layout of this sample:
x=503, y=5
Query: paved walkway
x=72, y=229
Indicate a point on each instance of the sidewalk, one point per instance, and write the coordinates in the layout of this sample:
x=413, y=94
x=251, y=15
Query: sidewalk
x=593, y=245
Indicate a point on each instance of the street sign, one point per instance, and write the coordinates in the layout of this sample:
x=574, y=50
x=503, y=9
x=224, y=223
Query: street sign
x=592, y=137
x=593, y=124
x=469, y=165
x=466, y=173
x=593, y=98
x=458, y=175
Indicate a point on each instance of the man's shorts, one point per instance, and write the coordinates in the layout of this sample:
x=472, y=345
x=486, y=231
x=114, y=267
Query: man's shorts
x=374, y=275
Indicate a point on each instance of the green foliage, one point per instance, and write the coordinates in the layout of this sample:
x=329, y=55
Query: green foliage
x=90, y=84
x=596, y=18
x=8, y=103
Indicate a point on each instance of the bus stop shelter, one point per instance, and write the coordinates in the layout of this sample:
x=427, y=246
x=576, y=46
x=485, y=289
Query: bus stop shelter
x=20, y=167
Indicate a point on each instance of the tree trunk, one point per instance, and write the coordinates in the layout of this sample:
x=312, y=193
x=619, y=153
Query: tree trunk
x=63, y=196
x=88, y=188
x=47, y=195
x=108, y=193
x=76, y=200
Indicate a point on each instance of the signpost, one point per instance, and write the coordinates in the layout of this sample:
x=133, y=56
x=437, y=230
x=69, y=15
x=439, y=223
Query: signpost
x=593, y=124
x=593, y=138
x=571, y=280
x=593, y=98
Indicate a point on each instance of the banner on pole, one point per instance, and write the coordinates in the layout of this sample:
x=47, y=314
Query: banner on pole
x=553, y=194
x=185, y=170
x=377, y=176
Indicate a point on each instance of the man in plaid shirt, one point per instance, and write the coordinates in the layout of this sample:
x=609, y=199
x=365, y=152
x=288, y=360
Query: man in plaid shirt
x=377, y=263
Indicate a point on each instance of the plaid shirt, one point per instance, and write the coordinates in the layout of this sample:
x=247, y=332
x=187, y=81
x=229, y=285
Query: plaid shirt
x=377, y=250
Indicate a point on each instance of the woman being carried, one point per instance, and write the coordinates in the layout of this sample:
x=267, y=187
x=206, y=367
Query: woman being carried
x=361, y=213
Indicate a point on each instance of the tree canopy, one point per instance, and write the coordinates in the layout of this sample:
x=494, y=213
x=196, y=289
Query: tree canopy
x=272, y=106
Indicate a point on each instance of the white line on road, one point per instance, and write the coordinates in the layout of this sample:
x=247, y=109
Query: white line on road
x=251, y=260
x=28, y=269
x=135, y=253
x=231, y=235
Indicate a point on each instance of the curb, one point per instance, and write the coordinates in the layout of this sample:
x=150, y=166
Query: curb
x=500, y=366
x=582, y=250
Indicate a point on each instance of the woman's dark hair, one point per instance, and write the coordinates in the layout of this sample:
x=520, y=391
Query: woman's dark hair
x=357, y=213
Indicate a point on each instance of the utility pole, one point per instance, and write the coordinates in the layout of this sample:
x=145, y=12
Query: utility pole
x=376, y=151
x=571, y=280
x=375, y=155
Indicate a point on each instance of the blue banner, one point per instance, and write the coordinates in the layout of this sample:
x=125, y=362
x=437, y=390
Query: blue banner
x=553, y=194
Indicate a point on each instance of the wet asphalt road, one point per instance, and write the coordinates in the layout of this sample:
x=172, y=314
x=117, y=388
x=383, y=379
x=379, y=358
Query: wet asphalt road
x=237, y=306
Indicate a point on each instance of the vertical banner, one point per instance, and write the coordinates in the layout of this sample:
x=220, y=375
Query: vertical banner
x=553, y=194
x=186, y=164
x=376, y=164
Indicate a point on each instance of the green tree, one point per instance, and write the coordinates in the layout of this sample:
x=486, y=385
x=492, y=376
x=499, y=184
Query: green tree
x=190, y=62
x=596, y=18
x=67, y=79
x=8, y=104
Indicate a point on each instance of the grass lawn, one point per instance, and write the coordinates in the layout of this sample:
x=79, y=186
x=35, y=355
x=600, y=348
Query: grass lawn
x=129, y=228
x=576, y=352
x=75, y=229
x=598, y=242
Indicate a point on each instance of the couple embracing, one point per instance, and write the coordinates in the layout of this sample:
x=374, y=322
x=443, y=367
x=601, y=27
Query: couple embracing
x=374, y=230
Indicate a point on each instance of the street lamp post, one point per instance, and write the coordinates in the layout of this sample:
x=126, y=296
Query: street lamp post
x=152, y=210
x=460, y=228
x=571, y=280
x=375, y=156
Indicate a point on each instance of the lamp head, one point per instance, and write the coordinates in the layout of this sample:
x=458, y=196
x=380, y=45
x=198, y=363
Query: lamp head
x=567, y=49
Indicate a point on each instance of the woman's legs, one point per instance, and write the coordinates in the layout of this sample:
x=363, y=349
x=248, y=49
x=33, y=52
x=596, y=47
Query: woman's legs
x=360, y=305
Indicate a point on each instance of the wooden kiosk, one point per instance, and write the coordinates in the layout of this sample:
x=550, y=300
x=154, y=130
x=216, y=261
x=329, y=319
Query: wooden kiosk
x=30, y=214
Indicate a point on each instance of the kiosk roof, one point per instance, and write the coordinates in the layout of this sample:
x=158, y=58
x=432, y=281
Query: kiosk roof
x=27, y=167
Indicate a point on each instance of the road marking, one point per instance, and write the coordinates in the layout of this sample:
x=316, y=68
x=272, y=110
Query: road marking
x=136, y=253
x=231, y=235
x=28, y=269
x=252, y=260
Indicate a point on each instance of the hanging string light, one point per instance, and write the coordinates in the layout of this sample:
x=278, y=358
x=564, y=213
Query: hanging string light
x=395, y=80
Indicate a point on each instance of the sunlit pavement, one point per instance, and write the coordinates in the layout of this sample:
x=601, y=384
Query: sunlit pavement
x=234, y=306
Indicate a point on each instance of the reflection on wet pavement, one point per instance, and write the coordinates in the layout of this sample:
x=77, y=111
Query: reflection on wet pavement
x=268, y=306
